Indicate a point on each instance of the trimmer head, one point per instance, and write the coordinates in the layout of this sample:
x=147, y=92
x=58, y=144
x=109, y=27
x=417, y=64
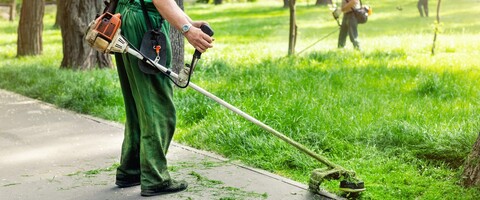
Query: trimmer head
x=349, y=184
x=352, y=186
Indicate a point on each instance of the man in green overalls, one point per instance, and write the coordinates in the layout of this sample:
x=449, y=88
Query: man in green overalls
x=150, y=112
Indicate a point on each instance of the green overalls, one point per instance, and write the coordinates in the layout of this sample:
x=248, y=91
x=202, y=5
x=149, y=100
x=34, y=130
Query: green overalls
x=150, y=112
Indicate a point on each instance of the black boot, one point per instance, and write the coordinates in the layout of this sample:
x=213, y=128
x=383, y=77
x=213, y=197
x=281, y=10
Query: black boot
x=174, y=186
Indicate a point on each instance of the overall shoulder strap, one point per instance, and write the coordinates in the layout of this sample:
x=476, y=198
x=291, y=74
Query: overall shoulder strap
x=147, y=18
x=145, y=15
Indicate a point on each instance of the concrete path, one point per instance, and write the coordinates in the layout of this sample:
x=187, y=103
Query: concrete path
x=50, y=153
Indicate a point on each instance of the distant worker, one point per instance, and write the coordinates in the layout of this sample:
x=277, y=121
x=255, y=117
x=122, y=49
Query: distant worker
x=349, y=24
x=422, y=6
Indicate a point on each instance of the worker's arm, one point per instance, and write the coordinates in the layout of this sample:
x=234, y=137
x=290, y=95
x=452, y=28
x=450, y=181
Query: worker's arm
x=348, y=6
x=177, y=18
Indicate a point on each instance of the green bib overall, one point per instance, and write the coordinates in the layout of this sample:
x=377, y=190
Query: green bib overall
x=150, y=112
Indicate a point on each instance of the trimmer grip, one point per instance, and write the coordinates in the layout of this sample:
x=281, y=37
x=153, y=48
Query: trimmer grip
x=206, y=29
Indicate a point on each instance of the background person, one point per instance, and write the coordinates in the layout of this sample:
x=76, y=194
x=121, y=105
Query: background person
x=422, y=6
x=349, y=24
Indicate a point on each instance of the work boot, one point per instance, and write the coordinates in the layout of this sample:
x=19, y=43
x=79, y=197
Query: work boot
x=127, y=182
x=174, y=186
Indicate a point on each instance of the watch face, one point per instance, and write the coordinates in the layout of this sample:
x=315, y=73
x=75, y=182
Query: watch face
x=185, y=28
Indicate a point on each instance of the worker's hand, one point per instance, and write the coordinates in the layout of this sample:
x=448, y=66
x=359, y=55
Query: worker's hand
x=336, y=13
x=198, y=24
x=197, y=38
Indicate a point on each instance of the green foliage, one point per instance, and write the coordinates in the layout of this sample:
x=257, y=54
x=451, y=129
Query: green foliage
x=402, y=119
x=6, y=1
x=93, y=92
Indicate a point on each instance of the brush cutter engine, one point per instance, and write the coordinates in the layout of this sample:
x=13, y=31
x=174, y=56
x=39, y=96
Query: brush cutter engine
x=103, y=34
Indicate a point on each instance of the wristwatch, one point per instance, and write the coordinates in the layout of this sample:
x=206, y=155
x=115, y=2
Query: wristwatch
x=186, y=28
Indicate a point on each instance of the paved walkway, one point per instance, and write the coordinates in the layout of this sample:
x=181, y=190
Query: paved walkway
x=50, y=153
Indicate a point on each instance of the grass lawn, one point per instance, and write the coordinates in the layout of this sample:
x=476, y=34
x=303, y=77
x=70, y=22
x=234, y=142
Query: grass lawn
x=403, y=119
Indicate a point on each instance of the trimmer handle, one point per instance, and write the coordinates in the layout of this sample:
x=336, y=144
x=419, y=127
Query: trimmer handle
x=206, y=29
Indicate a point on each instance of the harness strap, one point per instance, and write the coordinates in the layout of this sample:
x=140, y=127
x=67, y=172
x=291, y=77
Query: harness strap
x=147, y=18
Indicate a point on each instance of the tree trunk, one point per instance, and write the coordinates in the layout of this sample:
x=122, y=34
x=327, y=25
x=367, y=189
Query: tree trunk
x=286, y=3
x=76, y=52
x=13, y=9
x=471, y=172
x=217, y=2
x=58, y=15
x=437, y=27
x=323, y=2
x=178, y=50
x=30, y=28
x=293, y=29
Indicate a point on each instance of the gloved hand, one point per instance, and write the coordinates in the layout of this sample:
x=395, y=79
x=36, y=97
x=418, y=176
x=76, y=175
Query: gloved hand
x=336, y=13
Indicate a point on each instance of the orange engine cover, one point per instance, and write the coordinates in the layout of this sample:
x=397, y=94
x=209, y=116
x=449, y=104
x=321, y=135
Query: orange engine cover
x=107, y=25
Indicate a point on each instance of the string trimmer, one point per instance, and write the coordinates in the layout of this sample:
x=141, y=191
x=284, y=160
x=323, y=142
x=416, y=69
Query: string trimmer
x=104, y=35
x=336, y=14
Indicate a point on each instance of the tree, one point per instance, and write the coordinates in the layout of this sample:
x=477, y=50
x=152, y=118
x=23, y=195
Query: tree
x=286, y=3
x=58, y=16
x=75, y=17
x=30, y=28
x=471, y=172
x=292, y=39
x=323, y=2
x=178, y=45
x=437, y=27
x=13, y=9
